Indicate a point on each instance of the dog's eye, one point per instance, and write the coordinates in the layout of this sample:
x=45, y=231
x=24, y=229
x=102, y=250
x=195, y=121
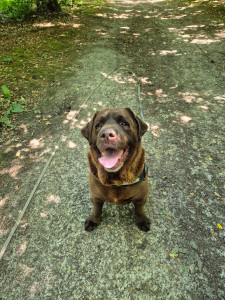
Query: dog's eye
x=124, y=123
x=98, y=125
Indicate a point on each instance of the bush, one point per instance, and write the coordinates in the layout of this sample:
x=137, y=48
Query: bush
x=15, y=9
x=19, y=9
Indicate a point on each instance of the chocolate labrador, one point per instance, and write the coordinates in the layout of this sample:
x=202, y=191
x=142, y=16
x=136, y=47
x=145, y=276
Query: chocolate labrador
x=117, y=163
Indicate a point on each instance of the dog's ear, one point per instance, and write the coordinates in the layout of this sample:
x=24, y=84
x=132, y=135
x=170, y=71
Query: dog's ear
x=87, y=130
x=142, y=127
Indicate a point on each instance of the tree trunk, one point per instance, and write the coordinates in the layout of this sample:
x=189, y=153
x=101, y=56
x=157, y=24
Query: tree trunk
x=51, y=5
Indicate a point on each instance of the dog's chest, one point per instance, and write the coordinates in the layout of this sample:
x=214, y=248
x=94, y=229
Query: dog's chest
x=118, y=196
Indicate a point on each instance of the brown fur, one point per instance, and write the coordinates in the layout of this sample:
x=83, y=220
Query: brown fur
x=108, y=186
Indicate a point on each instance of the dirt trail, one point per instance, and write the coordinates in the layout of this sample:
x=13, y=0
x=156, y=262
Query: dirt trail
x=176, y=49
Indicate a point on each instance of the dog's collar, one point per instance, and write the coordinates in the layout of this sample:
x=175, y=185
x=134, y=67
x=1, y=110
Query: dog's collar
x=142, y=177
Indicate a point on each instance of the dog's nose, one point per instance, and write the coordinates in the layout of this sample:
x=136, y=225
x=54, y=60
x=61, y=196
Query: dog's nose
x=108, y=134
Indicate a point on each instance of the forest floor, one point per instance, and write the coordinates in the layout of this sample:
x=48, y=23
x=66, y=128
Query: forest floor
x=64, y=69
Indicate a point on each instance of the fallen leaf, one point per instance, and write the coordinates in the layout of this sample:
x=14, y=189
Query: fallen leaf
x=48, y=123
x=220, y=226
x=218, y=196
x=18, y=154
x=173, y=255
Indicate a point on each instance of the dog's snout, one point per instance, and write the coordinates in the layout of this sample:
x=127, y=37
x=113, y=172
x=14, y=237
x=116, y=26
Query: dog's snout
x=108, y=134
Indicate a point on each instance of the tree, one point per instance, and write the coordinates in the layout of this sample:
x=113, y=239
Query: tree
x=51, y=5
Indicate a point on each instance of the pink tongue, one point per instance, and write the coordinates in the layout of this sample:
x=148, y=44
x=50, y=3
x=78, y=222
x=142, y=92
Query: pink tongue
x=108, y=162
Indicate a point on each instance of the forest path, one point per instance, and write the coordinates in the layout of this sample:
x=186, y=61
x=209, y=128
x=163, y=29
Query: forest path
x=176, y=50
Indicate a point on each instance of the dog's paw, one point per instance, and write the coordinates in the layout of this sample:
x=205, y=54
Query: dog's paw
x=144, y=225
x=90, y=225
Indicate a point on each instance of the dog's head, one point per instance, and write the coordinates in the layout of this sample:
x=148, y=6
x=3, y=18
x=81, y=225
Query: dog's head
x=113, y=135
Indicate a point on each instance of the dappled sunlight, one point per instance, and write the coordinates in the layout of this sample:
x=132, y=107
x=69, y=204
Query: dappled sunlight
x=25, y=271
x=96, y=107
x=53, y=199
x=145, y=80
x=122, y=79
x=101, y=32
x=166, y=52
x=191, y=97
x=24, y=127
x=36, y=143
x=44, y=214
x=155, y=130
x=221, y=34
x=35, y=287
x=182, y=119
x=13, y=170
x=45, y=151
x=99, y=103
x=185, y=119
x=50, y=24
x=203, y=41
x=71, y=145
x=197, y=34
x=22, y=248
x=160, y=93
x=138, y=1
x=73, y=25
x=82, y=123
x=71, y=118
x=3, y=200
x=220, y=98
x=117, y=77
x=205, y=108
x=45, y=25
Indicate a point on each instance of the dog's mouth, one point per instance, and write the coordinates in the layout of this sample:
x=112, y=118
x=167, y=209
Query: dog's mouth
x=113, y=158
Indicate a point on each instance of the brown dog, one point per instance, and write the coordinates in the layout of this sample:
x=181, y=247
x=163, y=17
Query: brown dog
x=117, y=163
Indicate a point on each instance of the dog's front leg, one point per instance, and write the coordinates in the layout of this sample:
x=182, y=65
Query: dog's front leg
x=142, y=221
x=94, y=219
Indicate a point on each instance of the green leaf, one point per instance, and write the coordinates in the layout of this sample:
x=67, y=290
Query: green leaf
x=22, y=101
x=5, y=117
x=6, y=91
x=7, y=59
x=17, y=108
x=5, y=121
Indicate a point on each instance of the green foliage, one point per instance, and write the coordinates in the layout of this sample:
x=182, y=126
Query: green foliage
x=6, y=92
x=15, y=9
x=7, y=59
x=19, y=9
x=14, y=107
